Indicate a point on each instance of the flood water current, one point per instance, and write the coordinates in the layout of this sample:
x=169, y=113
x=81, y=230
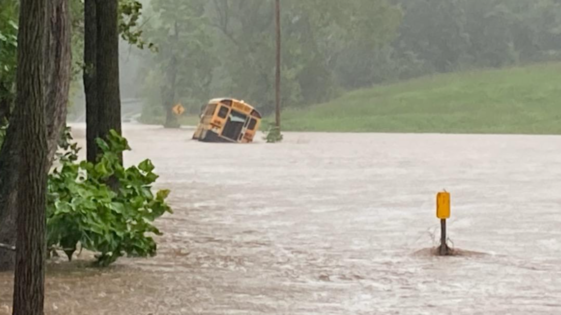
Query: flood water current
x=335, y=224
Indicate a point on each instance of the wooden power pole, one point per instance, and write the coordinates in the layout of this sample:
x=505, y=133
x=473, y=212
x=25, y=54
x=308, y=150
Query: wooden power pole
x=278, y=71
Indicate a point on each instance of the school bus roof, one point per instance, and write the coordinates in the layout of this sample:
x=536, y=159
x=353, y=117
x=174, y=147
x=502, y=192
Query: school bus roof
x=221, y=99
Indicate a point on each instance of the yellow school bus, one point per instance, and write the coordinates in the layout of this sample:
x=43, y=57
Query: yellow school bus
x=227, y=120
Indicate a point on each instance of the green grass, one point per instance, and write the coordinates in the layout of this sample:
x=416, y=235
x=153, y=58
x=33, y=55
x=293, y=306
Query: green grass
x=524, y=100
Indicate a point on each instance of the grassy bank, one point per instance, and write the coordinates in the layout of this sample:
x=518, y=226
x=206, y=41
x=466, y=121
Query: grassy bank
x=525, y=100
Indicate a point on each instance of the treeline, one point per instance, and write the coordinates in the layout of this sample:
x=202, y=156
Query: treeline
x=452, y=35
x=226, y=47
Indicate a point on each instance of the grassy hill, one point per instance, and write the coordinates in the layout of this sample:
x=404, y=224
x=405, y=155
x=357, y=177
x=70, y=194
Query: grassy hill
x=525, y=100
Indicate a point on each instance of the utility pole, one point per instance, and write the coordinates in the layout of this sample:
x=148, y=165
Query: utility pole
x=278, y=71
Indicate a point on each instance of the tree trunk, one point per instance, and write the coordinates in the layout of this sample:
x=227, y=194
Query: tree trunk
x=168, y=95
x=90, y=81
x=107, y=67
x=169, y=89
x=9, y=161
x=29, y=283
x=57, y=58
x=101, y=76
x=5, y=104
x=4, y=110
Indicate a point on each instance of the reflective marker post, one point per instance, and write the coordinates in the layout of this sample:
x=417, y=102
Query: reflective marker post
x=443, y=213
x=443, y=247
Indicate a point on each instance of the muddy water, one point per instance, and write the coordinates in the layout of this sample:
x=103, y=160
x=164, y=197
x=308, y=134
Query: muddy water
x=332, y=224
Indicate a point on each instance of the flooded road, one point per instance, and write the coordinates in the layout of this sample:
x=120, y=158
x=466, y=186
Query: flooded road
x=332, y=224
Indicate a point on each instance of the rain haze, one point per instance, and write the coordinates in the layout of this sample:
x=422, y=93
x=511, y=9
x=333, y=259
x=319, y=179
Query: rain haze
x=315, y=172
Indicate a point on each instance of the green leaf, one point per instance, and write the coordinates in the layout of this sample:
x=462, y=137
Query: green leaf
x=102, y=145
x=118, y=207
x=86, y=165
x=137, y=202
x=101, y=169
x=162, y=194
x=147, y=193
x=151, y=178
x=146, y=166
x=62, y=207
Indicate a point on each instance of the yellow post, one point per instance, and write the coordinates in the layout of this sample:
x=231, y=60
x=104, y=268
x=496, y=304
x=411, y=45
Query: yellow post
x=443, y=213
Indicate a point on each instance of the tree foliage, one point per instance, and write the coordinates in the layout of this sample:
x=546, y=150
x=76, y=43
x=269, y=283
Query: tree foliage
x=182, y=70
x=8, y=52
x=317, y=35
x=331, y=45
x=226, y=47
x=8, y=41
x=239, y=61
x=455, y=34
x=130, y=28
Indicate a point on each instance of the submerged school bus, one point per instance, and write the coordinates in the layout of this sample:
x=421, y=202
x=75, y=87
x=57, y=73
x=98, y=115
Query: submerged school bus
x=228, y=120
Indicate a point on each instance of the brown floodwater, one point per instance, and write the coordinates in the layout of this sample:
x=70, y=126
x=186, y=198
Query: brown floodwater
x=335, y=224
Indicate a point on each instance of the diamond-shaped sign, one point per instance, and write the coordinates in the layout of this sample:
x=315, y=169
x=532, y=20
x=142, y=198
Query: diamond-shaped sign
x=178, y=109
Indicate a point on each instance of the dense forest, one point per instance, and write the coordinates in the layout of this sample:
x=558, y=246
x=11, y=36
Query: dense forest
x=226, y=47
x=199, y=49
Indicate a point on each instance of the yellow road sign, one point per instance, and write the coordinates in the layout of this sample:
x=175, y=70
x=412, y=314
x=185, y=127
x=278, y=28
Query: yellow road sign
x=178, y=109
x=443, y=205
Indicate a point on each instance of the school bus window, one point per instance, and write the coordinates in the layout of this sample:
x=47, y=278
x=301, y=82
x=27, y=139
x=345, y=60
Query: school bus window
x=223, y=112
x=252, y=124
x=210, y=110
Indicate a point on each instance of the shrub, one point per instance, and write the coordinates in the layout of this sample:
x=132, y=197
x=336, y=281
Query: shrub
x=84, y=209
x=274, y=135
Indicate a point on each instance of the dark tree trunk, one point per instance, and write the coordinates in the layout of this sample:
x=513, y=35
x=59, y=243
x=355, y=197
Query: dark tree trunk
x=29, y=283
x=57, y=58
x=9, y=161
x=170, y=87
x=107, y=67
x=90, y=81
x=168, y=95
x=4, y=110
x=5, y=104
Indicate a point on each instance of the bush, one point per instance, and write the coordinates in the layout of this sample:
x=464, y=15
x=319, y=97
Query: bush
x=83, y=208
x=274, y=135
